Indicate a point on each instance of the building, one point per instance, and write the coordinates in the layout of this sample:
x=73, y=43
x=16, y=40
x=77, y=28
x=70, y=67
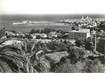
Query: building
x=52, y=35
x=39, y=35
x=11, y=42
x=80, y=34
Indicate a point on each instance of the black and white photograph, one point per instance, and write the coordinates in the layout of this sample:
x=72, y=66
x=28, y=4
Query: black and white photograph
x=52, y=36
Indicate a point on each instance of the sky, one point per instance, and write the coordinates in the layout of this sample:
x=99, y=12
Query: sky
x=52, y=7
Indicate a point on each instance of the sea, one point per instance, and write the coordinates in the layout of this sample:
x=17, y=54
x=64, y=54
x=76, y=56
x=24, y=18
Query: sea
x=8, y=20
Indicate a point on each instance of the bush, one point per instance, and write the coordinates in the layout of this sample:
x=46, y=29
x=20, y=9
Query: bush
x=86, y=66
x=76, y=54
x=94, y=66
x=56, y=46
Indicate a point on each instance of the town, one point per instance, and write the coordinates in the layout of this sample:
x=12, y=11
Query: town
x=64, y=46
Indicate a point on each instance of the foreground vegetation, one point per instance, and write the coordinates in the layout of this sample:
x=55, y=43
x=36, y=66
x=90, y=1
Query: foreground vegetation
x=56, y=57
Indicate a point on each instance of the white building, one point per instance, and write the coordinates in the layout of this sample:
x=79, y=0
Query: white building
x=80, y=34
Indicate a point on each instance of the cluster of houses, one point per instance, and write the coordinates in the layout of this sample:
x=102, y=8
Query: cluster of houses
x=71, y=34
x=86, y=22
x=50, y=35
x=16, y=34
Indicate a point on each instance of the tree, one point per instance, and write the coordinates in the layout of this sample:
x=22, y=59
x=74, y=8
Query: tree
x=79, y=42
x=2, y=32
x=22, y=57
x=88, y=45
x=76, y=54
x=47, y=30
x=8, y=54
x=4, y=67
x=101, y=46
x=32, y=31
x=57, y=46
